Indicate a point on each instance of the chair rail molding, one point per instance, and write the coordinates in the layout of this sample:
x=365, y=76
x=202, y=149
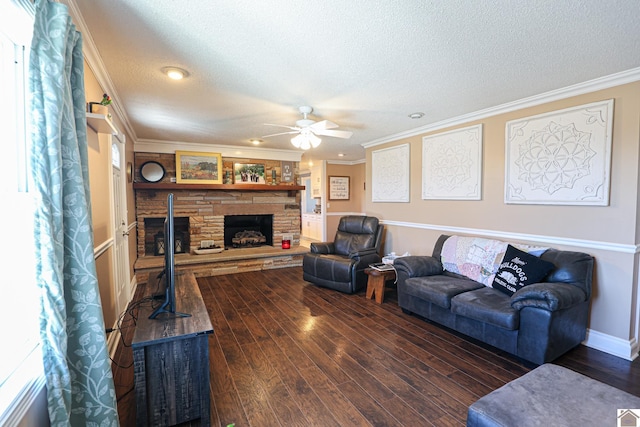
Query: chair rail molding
x=538, y=238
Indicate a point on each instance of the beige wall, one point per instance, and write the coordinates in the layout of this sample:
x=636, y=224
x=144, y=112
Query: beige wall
x=357, y=195
x=610, y=233
x=100, y=175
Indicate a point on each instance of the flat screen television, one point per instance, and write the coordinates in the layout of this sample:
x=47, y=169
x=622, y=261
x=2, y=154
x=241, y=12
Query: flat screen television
x=168, y=274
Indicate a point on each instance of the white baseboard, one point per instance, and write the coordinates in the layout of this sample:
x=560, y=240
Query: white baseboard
x=112, y=341
x=626, y=349
x=114, y=337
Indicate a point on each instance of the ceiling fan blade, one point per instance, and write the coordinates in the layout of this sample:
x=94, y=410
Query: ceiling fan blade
x=281, y=133
x=323, y=124
x=282, y=126
x=335, y=133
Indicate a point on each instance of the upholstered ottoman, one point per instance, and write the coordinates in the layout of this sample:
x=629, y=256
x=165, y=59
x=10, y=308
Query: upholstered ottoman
x=551, y=395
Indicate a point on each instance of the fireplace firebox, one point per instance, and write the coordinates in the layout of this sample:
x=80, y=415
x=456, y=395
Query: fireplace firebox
x=248, y=230
x=154, y=235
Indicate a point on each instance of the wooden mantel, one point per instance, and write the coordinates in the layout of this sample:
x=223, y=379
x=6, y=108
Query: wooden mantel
x=229, y=187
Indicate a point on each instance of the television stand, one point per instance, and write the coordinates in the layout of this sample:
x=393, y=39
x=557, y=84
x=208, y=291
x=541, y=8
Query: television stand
x=171, y=359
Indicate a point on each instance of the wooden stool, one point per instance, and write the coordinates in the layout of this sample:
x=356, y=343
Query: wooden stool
x=376, y=282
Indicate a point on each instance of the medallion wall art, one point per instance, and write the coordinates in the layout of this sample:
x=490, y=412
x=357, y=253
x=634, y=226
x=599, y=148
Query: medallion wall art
x=452, y=164
x=390, y=174
x=562, y=157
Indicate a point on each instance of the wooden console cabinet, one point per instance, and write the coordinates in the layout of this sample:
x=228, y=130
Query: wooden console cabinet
x=171, y=359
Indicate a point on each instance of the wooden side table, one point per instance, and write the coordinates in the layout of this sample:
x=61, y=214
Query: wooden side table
x=376, y=282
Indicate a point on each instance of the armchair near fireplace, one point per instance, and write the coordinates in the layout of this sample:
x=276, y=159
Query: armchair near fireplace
x=340, y=264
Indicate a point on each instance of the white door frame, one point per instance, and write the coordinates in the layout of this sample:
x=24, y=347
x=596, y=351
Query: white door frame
x=120, y=266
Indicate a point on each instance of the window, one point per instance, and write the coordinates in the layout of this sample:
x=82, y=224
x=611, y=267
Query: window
x=21, y=367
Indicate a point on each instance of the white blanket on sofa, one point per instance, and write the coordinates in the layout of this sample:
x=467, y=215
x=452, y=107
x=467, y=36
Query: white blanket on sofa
x=478, y=258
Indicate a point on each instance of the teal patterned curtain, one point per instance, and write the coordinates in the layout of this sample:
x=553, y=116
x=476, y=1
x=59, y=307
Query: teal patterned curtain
x=76, y=362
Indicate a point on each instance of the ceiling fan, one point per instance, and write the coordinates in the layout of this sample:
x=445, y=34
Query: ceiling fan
x=308, y=130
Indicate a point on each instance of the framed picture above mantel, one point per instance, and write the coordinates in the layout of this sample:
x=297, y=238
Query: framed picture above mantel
x=194, y=167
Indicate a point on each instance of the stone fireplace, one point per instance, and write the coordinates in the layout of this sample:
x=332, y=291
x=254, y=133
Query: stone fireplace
x=203, y=214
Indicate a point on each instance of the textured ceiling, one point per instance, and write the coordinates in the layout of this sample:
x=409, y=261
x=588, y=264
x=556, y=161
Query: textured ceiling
x=364, y=65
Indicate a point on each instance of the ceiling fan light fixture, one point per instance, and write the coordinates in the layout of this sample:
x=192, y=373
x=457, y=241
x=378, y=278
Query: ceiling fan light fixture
x=175, y=73
x=297, y=140
x=305, y=140
x=314, y=140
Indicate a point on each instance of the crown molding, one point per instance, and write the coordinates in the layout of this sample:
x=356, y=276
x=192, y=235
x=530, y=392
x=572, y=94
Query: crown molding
x=97, y=66
x=606, y=82
x=346, y=162
x=170, y=147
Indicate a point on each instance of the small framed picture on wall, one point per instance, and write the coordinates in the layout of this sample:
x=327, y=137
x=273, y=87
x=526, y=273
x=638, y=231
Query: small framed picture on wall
x=338, y=188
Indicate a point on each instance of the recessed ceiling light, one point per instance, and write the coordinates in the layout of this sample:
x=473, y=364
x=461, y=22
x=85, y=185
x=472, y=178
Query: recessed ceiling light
x=416, y=115
x=340, y=154
x=175, y=73
x=256, y=141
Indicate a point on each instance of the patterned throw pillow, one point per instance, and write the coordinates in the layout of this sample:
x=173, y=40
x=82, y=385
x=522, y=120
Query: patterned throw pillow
x=519, y=269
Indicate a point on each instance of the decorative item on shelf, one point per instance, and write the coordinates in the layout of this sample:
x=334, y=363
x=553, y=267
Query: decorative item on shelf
x=287, y=172
x=129, y=172
x=248, y=173
x=286, y=241
x=227, y=177
x=159, y=243
x=178, y=242
x=194, y=167
x=101, y=107
x=152, y=171
x=273, y=177
x=208, y=247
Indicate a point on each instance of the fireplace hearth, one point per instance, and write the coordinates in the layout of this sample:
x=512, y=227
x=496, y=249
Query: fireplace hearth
x=241, y=231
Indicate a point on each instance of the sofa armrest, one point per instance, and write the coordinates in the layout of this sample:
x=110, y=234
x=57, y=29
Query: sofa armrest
x=322, y=248
x=549, y=296
x=416, y=266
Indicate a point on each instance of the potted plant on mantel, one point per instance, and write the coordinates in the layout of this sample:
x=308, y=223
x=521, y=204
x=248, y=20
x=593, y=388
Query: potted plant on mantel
x=101, y=107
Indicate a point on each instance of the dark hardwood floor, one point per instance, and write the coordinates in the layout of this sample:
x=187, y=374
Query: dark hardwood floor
x=285, y=352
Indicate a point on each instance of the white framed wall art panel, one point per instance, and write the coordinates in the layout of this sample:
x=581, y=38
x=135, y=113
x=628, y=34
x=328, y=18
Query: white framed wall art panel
x=390, y=174
x=452, y=164
x=560, y=158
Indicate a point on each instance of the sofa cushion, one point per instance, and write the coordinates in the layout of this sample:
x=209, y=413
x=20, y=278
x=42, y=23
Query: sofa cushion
x=519, y=269
x=347, y=243
x=473, y=257
x=478, y=258
x=438, y=289
x=487, y=305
